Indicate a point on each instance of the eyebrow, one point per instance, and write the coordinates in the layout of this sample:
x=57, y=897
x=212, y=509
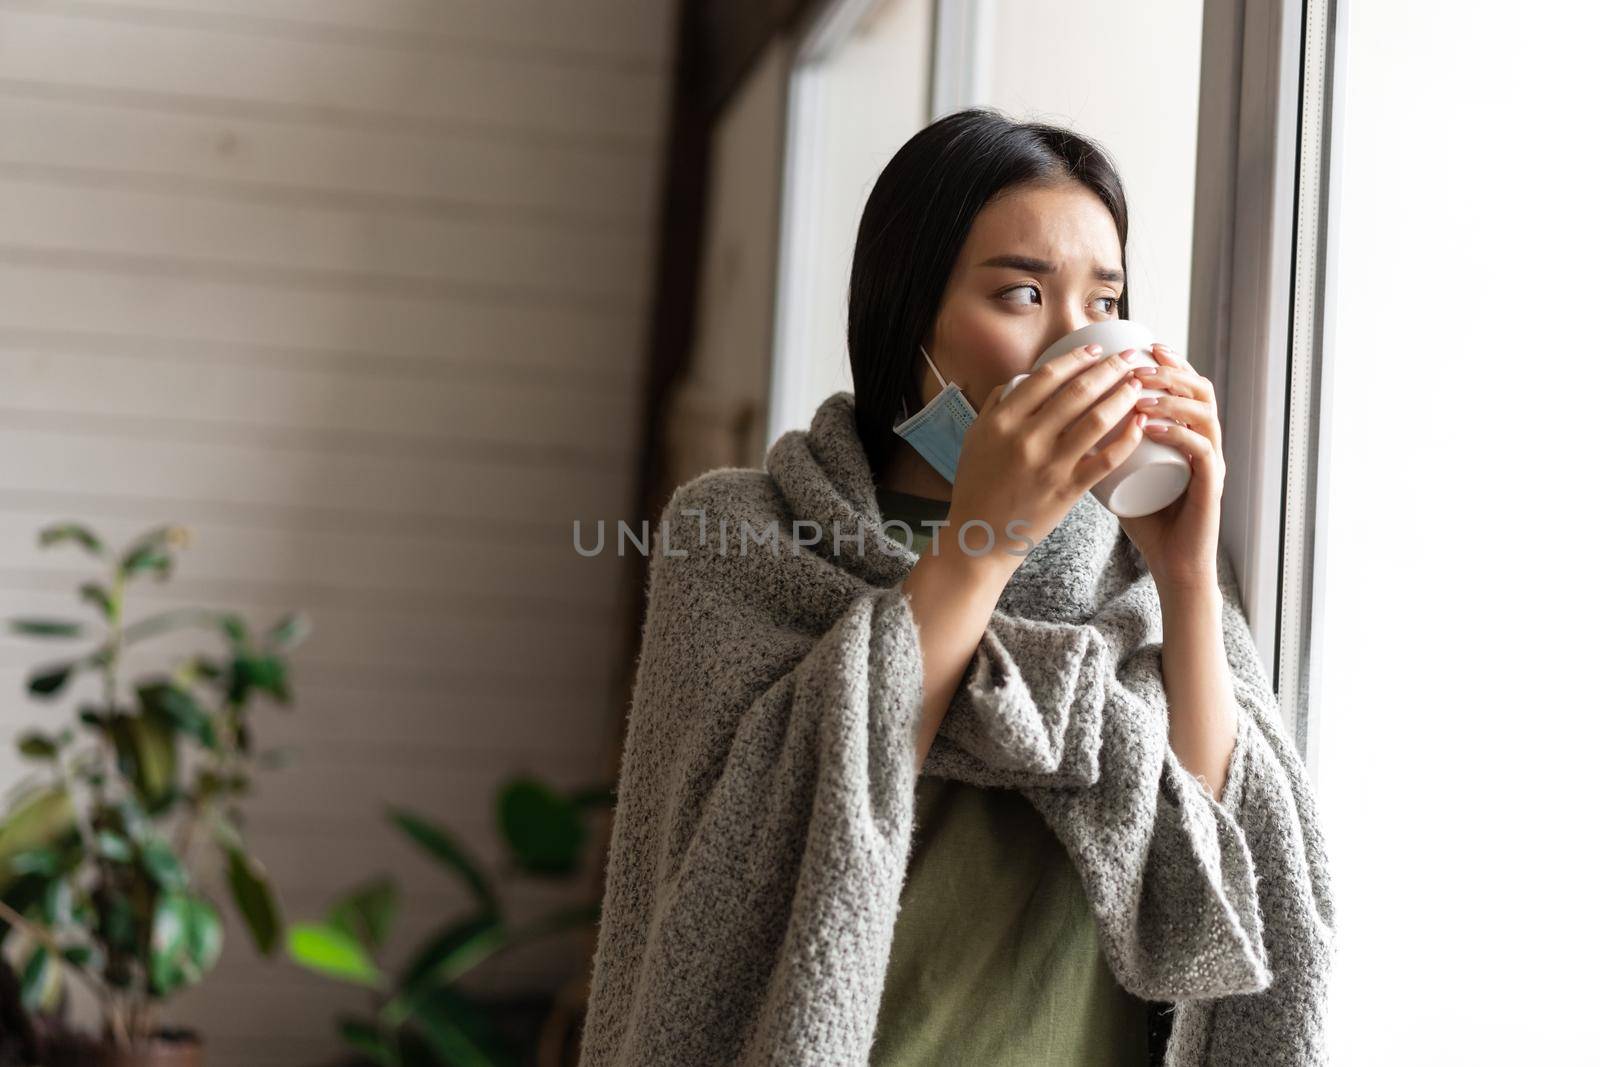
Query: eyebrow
x=1039, y=266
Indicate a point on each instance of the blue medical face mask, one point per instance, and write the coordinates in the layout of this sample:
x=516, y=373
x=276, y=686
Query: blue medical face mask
x=937, y=430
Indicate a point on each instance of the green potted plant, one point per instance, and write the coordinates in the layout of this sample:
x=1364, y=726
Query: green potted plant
x=99, y=844
x=420, y=1014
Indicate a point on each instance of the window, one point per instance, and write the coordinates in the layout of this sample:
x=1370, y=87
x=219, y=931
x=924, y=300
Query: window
x=1456, y=708
x=858, y=91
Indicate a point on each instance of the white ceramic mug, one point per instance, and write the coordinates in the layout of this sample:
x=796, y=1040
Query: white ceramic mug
x=1155, y=474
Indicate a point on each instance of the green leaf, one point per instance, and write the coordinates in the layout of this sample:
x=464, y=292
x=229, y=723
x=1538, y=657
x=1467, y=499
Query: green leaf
x=167, y=621
x=73, y=533
x=22, y=896
x=147, y=755
x=234, y=629
x=444, y=848
x=205, y=933
x=289, y=631
x=266, y=673
x=38, y=820
x=35, y=745
x=84, y=913
x=42, y=861
x=131, y=820
x=224, y=832
x=367, y=1040
x=253, y=896
x=185, y=941
x=47, y=627
x=86, y=957
x=58, y=903
x=96, y=594
x=152, y=552
x=162, y=864
x=207, y=784
x=366, y=913
x=113, y=846
x=461, y=1034
x=161, y=699
x=119, y=927
x=330, y=951
x=36, y=978
x=543, y=829
x=207, y=668
x=445, y=957
x=157, y=561
x=47, y=681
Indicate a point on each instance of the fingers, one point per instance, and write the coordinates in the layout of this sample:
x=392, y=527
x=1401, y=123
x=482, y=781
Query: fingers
x=1073, y=459
x=1090, y=468
x=1178, y=409
x=1039, y=386
x=1073, y=398
x=1198, y=413
x=1165, y=354
x=1178, y=380
x=1204, y=455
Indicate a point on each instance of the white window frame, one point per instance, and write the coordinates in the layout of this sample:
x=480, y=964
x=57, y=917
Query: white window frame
x=1264, y=317
x=826, y=31
x=958, y=78
x=962, y=47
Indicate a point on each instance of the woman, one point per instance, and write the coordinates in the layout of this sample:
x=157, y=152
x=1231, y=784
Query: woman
x=888, y=803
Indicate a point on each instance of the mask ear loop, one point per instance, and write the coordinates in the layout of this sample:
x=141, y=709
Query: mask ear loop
x=942, y=383
x=904, y=414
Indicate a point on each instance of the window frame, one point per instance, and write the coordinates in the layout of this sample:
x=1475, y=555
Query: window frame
x=829, y=26
x=1277, y=67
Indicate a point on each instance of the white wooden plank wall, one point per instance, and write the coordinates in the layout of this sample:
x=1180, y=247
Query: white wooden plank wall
x=356, y=289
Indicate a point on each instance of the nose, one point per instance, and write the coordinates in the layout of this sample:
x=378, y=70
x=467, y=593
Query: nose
x=1070, y=319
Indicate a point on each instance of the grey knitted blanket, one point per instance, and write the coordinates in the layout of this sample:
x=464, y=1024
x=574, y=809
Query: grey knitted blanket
x=764, y=816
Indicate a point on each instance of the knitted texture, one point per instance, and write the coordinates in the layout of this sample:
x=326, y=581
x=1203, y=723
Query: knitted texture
x=764, y=816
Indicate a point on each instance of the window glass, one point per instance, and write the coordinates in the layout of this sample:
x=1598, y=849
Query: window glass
x=1457, y=704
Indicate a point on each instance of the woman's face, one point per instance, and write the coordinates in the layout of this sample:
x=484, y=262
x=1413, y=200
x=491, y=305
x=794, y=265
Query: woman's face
x=1040, y=261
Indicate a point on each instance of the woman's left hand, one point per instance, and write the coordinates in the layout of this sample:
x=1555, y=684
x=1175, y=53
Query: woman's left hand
x=1179, y=542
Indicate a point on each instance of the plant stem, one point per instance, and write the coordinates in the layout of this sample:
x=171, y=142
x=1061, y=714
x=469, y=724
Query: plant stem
x=115, y=1011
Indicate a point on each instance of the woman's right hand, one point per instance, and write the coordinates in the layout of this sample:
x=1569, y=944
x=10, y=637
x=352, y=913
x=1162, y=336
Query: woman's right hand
x=1027, y=457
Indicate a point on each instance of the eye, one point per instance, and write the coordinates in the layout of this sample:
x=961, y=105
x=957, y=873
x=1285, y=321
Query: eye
x=1112, y=310
x=1006, y=295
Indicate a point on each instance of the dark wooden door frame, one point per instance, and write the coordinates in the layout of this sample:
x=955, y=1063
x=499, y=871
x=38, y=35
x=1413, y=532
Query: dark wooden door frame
x=718, y=43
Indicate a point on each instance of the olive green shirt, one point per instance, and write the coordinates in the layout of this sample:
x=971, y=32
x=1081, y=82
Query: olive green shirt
x=995, y=958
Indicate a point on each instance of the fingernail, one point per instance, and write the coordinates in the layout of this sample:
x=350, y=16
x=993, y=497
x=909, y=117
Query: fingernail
x=1093, y=350
x=1145, y=371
